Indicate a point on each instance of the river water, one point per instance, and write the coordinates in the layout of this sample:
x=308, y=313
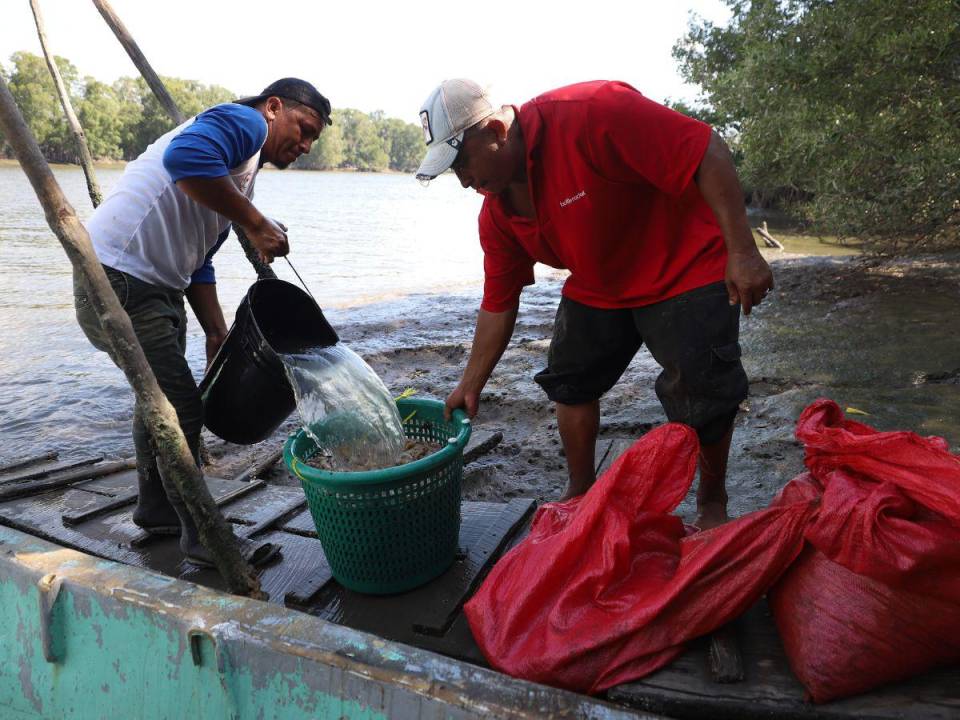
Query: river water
x=361, y=242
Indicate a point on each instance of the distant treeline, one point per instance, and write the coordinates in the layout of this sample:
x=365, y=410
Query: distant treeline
x=121, y=119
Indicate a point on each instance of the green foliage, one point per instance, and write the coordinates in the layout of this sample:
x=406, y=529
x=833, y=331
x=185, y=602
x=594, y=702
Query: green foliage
x=33, y=89
x=121, y=119
x=848, y=111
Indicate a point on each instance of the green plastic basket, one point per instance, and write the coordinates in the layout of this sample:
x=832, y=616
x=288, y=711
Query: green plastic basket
x=386, y=531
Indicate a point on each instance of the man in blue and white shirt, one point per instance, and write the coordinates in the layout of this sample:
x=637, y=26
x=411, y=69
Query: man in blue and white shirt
x=156, y=234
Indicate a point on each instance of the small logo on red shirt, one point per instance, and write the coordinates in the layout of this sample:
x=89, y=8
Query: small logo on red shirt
x=573, y=198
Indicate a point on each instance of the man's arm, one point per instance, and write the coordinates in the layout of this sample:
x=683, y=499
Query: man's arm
x=222, y=196
x=748, y=276
x=206, y=306
x=490, y=339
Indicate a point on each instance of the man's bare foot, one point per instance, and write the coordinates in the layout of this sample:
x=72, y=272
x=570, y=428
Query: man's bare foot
x=571, y=492
x=711, y=515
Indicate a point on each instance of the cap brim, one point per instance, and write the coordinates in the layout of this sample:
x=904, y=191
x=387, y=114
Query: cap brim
x=438, y=158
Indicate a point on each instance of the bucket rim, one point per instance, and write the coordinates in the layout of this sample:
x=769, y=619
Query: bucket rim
x=351, y=479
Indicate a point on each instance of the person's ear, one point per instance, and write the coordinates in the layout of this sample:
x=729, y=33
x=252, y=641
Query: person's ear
x=498, y=128
x=272, y=108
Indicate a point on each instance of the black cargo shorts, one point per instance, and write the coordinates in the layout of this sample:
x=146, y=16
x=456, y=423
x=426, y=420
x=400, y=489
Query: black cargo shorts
x=693, y=337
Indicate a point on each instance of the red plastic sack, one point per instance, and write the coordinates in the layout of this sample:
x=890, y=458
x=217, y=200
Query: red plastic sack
x=608, y=586
x=875, y=596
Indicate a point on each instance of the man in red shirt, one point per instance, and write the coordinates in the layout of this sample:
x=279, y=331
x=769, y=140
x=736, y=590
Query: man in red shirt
x=643, y=206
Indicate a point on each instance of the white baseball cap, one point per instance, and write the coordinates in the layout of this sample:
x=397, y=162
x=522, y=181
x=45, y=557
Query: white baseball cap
x=452, y=107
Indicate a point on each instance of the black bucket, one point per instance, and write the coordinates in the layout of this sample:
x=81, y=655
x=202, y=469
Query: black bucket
x=246, y=394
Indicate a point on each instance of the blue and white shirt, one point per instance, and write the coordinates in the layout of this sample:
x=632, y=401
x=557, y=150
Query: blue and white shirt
x=148, y=228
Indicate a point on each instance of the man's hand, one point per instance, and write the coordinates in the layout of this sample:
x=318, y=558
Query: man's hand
x=462, y=397
x=214, y=341
x=269, y=238
x=748, y=279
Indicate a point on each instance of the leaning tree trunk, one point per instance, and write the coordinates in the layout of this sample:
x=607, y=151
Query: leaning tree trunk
x=156, y=84
x=133, y=50
x=86, y=161
x=173, y=455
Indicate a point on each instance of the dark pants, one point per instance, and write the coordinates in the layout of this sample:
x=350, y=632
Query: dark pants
x=160, y=323
x=693, y=337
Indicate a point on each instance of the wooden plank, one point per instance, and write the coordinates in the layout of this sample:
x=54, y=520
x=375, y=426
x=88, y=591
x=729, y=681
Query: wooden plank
x=305, y=588
x=726, y=665
x=481, y=442
x=28, y=461
x=770, y=690
x=301, y=524
x=274, y=514
x=600, y=453
x=617, y=447
x=100, y=506
x=49, y=470
x=24, y=489
x=260, y=467
x=484, y=532
x=106, y=505
x=224, y=491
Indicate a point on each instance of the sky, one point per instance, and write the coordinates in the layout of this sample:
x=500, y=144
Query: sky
x=375, y=55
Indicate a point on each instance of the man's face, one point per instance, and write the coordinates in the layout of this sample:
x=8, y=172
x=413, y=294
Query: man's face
x=482, y=162
x=292, y=131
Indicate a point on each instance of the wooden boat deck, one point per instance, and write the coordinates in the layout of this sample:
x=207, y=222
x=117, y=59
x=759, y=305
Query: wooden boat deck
x=67, y=503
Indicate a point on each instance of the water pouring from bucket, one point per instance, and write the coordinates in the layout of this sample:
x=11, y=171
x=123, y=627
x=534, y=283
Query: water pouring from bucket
x=281, y=354
x=335, y=388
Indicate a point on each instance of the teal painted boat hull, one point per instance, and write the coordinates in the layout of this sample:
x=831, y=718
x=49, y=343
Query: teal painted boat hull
x=89, y=638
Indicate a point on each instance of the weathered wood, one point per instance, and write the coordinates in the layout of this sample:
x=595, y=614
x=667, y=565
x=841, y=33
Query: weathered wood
x=768, y=239
x=75, y=517
x=173, y=455
x=133, y=50
x=307, y=586
x=726, y=665
x=86, y=160
x=31, y=487
x=263, y=270
x=275, y=515
x=481, y=442
x=617, y=447
x=770, y=690
x=28, y=461
x=50, y=470
x=235, y=493
x=260, y=467
x=483, y=539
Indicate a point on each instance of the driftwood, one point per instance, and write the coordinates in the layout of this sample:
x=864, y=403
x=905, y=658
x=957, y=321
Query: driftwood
x=86, y=160
x=173, y=455
x=263, y=270
x=10, y=490
x=133, y=50
x=768, y=239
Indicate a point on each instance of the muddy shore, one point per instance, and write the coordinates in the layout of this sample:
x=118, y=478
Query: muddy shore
x=881, y=336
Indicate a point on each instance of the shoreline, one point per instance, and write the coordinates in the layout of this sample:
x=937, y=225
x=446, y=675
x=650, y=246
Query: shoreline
x=821, y=333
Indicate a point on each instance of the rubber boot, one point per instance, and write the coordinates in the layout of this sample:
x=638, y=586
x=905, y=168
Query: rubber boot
x=153, y=512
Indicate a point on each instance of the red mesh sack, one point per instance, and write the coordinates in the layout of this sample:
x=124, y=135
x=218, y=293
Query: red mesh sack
x=608, y=587
x=875, y=595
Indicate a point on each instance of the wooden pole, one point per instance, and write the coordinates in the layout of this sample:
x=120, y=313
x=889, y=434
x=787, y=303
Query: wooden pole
x=86, y=161
x=166, y=101
x=133, y=50
x=173, y=455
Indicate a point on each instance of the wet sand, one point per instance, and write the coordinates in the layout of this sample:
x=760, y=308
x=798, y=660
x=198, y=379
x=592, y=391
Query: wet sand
x=882, y=336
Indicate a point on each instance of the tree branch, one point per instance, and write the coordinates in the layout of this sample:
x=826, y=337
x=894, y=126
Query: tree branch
x=86, y=160
x=173, y=455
